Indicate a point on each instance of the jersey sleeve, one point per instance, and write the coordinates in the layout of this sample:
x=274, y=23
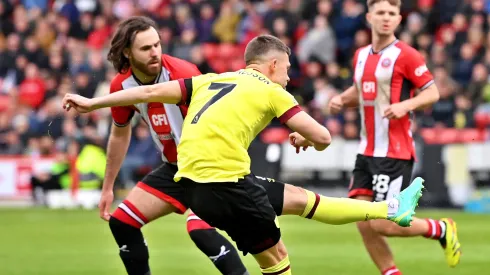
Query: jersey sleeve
x=416, y=71
x=189, y=85
x=121, y=115
x=283, y=104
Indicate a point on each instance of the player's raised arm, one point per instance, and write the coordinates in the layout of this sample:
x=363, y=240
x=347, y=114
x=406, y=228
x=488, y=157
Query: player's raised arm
x=288, y=111
x=169, y=92
x=311, y=130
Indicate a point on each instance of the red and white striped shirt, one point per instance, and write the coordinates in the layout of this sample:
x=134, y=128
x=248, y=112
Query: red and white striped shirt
x=164, y=120
x=384, y=78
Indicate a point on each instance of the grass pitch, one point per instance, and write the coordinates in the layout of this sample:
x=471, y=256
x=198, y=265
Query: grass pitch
x=42, y=242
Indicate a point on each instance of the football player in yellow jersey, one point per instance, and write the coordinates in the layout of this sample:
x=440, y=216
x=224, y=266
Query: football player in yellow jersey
x=226, y=112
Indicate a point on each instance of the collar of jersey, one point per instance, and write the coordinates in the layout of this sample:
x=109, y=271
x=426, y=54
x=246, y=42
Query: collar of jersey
x=371, y=51
x=257, y=71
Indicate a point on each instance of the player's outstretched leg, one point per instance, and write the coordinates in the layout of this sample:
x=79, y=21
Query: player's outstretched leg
x=219, y=250
x=136, y=210
x=443, y=230
x=399, y=209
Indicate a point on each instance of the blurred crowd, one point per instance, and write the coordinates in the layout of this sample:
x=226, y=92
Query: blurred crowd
x=52, y=47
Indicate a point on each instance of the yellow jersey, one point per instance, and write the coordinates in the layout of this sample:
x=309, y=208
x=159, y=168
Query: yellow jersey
x=226, y=112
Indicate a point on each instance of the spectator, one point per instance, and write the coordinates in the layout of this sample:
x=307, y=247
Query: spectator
x=318, y=43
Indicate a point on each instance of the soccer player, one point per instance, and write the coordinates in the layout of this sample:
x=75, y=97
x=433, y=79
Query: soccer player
x=225, y=113
x=386, y=73
x=136, y=54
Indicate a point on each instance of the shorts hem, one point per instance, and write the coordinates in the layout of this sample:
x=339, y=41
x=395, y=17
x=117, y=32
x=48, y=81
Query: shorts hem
x=167, y=198
x=360, y=192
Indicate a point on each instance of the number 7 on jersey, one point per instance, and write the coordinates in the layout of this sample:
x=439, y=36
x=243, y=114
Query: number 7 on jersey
x=225, y=89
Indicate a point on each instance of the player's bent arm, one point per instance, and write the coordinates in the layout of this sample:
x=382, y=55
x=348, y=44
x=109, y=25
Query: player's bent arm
x=117, y=148
x=168, y=92
x=310, y=129
x=350, y=97
x=424, y=99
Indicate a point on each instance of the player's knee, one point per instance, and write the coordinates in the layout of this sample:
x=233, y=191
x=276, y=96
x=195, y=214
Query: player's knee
x=295, y=200
x=195, y=223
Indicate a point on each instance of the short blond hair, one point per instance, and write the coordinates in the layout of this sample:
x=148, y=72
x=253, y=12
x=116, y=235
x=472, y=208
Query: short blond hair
x=262, y=45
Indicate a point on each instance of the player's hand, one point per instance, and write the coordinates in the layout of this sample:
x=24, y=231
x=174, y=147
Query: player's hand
x=79, y=103
x=396, y=111
x=298, y=141
x=105, y=203
x=335, y=105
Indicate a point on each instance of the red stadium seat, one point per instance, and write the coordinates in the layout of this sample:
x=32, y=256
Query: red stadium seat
x=218, y=65
x=481, y=120
x=227, y=51
x=210, y=51
x=237, y=64
x=4, y=103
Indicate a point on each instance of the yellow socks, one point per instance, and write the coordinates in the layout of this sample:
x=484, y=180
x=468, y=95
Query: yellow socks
x=282, y=268
x=341, y=211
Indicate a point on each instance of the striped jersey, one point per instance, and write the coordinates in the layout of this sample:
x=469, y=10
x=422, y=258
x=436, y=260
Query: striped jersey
x=164, y=120
x=382, y=79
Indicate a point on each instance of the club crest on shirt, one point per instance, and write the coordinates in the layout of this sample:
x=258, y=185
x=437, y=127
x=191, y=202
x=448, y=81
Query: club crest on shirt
x=386, y=63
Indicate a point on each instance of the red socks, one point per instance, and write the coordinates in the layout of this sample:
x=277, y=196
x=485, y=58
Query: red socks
x=437, y=229
x=392, y=271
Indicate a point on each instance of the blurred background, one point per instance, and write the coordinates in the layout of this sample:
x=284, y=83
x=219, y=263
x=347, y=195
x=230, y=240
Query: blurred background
x=52, y=47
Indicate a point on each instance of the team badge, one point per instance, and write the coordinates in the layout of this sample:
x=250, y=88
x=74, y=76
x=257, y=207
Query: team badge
x=386, y=63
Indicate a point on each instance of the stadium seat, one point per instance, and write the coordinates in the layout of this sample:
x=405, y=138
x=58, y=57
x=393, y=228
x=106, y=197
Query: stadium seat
x=482, y=120
x=237, y=64
x=227, y=51
x=210, y=51
x=218, y=65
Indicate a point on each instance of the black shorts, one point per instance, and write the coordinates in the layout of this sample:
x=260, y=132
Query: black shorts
x=242, y=209
x=160, y=182
x=379, y=177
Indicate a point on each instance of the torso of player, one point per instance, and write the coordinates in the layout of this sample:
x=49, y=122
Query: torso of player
x=383, y=79
x=163, y=120
x=225, y=114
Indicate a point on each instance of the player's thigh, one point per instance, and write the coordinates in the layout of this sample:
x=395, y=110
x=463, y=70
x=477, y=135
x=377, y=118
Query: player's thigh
x=272, y=256
x=240, y=209
x=276, y=192
x=157, y=194
x=390, y=177
x=361, y=183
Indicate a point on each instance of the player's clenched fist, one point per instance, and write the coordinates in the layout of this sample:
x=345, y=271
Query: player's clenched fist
x=335, y=105
x=79, y=103
x=299, y=142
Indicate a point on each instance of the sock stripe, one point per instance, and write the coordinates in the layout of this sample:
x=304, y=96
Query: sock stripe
x=135, y=211
x=123, y=217
x=392, y=271
x=128, y=211
x=278, y=272
x=312, y=212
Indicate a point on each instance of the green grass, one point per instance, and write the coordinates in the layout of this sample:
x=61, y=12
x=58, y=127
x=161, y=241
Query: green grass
x=42, y=242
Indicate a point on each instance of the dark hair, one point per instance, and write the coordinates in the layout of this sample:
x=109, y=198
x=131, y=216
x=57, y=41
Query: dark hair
x=397, y=3
x=124, y=38
x=261, y=45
